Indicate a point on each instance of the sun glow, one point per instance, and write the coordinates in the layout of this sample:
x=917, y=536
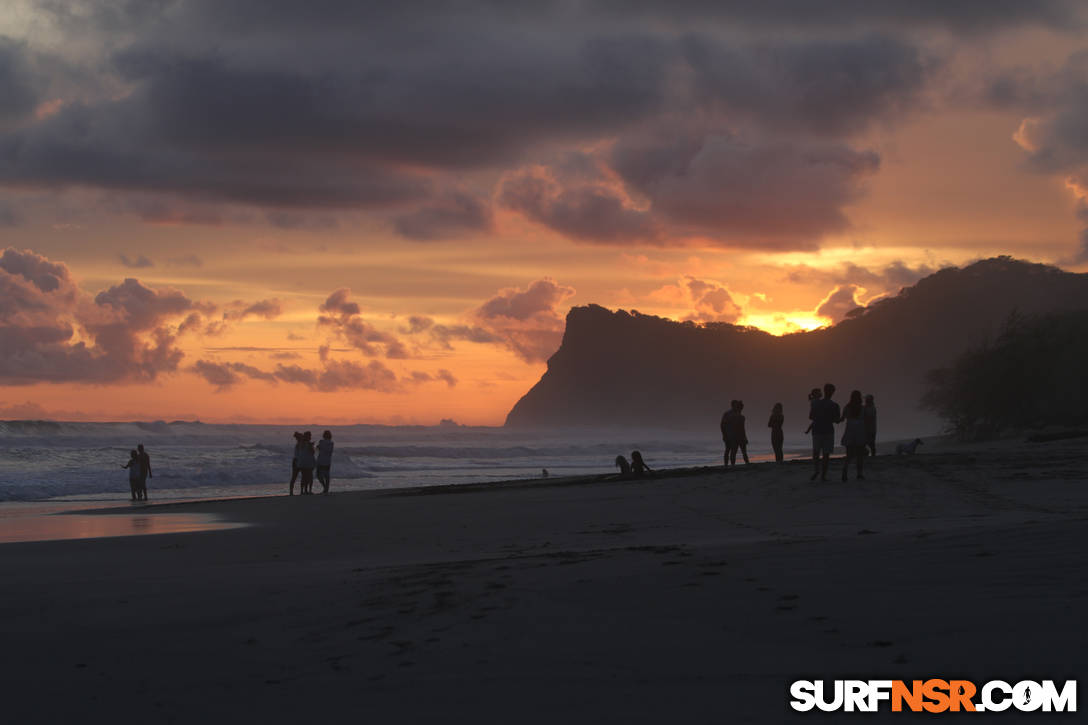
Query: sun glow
x=785, y=323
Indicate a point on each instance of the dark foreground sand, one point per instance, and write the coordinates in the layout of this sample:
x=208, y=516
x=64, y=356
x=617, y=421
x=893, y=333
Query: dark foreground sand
x=694, y=598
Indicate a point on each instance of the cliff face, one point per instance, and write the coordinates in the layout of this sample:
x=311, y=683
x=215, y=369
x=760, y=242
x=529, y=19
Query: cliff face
x=620, y=369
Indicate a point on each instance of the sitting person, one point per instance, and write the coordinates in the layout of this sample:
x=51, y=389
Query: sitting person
x=624, y=466
x=638, y=466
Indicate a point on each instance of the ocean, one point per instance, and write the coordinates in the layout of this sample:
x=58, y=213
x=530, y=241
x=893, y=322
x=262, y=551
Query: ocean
x=58, y=461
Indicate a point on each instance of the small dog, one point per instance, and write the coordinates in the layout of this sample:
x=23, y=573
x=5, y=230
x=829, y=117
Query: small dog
x=908, y=449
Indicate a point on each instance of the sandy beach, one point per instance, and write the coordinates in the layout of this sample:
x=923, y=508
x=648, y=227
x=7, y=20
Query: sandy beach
x=694, y=596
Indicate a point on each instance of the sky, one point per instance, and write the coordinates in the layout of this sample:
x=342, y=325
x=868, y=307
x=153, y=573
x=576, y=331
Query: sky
x=332, y=211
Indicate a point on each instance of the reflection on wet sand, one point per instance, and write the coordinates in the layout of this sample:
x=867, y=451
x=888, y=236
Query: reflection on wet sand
x=83, y=526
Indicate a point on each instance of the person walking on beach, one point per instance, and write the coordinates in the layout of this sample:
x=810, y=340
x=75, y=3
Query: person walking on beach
x=306, y=463
x=825, y=414
x=294, y=463
x=775, y=424
x=133, y=467
x=145, y=470
x=853, y=438
x=733, y=433
x=324, y=460
x=870, y=424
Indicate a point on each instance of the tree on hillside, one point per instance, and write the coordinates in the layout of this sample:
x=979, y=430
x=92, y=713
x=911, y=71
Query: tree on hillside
x=1033, y=374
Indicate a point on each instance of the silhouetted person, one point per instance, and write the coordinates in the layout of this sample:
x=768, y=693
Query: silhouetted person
x=294, y=463
x=733, y=433
x=623, y=465
x=543, y=472
x=777, y=437
x=133, y=467
x=145, y=469
x=324, y=460
x=825, y=414
x=853, y=438
x=813, y=396
x=638, y=466
x=306, y=464
x=870, y=424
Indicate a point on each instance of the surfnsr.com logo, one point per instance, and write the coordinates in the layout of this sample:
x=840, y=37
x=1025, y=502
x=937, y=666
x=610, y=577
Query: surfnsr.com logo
x=932, y=695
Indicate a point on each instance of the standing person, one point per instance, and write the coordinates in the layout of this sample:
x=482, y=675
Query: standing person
x=733, y=433
x=813, y=396
x=133, y=467
x=870, y=424
x=726, y=426
x=853, y=438
x=306, y=463
x=294, y=463
x=775, y=424
x=324, y=460
x=145, y=470
x=825, y=414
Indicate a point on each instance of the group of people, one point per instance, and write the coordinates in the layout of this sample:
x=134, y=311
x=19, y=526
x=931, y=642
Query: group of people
x=636, y=467
x=139, y=470
x=859, y=437
x=308, y=458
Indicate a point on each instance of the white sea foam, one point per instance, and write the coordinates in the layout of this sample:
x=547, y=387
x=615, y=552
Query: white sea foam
x=42, y=460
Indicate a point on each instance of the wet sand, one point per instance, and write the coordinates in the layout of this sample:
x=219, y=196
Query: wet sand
x=684, y=598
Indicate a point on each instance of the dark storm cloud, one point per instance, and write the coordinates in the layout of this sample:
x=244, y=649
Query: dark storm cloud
x=782, y=195
x=47, y=276
x=823, y=86
x=321, y=16
x=583, y=212
x=1054, y=130
x=9, y=217
x=962, y=15
x=452, y=214
x=51, y=331
x=778, y=194
x=267, y=125
x=113, y=145
x=17, y=88
x=330, y=105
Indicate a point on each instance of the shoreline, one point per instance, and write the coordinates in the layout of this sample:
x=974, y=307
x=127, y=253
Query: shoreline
x=676, y=598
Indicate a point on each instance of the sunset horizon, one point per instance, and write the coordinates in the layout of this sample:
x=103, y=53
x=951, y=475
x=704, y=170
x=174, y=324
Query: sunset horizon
x=306, y=227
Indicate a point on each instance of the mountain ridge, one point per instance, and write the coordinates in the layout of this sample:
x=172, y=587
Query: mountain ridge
x=623, y=369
